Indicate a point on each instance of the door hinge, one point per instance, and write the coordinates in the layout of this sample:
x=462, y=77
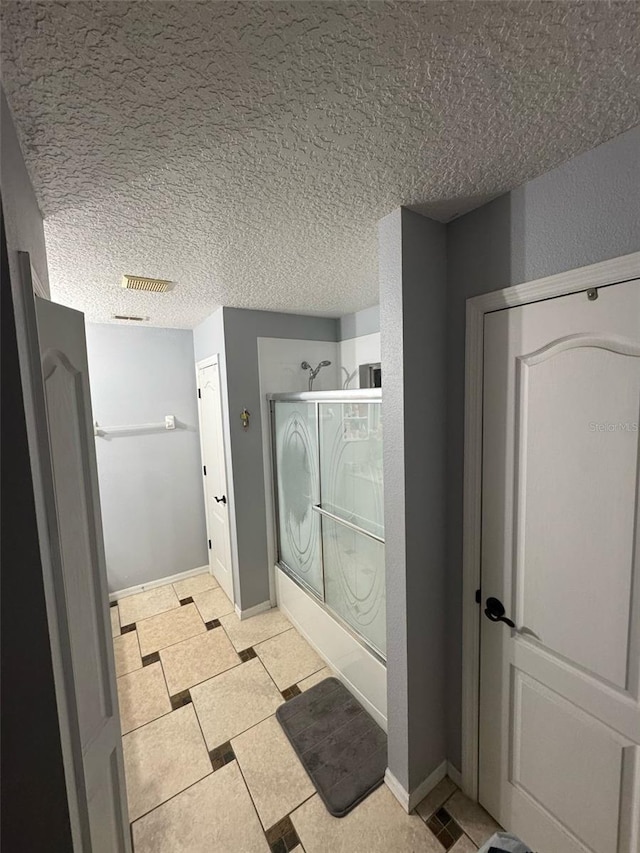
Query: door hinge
x=478, y=596
x=199, y=394
x=204, y=468
x=209, y=544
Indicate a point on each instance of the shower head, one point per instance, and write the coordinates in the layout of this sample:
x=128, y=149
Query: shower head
x=313, y=371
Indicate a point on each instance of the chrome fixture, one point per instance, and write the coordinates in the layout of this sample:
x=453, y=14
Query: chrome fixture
x=313, y=372
x=371, y=375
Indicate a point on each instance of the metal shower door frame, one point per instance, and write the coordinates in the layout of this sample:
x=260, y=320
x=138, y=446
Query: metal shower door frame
x=363, y=395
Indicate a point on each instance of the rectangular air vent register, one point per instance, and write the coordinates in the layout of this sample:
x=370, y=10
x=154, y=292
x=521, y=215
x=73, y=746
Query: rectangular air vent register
x=152, y=285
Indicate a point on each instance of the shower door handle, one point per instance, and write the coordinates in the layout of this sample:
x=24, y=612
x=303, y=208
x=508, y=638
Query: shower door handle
x=221, y=500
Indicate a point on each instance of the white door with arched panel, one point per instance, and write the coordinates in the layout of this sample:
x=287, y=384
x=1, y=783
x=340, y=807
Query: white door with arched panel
x=215, y=474
x=559, y=759
x=58, y=412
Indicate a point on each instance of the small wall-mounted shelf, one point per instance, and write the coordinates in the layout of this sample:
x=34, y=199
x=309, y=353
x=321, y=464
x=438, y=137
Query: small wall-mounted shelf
x=169, y=423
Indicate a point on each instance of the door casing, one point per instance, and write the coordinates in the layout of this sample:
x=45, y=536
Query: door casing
x=608, y=272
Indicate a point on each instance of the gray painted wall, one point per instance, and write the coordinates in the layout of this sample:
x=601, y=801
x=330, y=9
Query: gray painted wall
x=364, y=322
x=585, y=211
x=238, y=334
x=35, y=813
x=412, y=267
x=150, y=483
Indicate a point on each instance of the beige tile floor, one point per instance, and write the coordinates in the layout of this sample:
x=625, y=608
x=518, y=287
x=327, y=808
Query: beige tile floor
x=208, y=767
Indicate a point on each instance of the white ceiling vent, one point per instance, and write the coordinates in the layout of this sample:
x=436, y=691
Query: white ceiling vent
x=130, y=317
x=153, y=285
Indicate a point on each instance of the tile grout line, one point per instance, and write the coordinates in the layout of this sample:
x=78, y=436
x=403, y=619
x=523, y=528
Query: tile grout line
x=162, y=612
x=211, y=589
x=288, y=815
x=262, y=663
x=166, y=683
x=293, y=628
x=253, y=726
x=159, y=613
x=246, y=785
x=210, y=678
x=278, y=634
x=193, y=783
x=177, y=643
x=206, y=745
x=148, y=723
x=164, y=678
x=172, y=797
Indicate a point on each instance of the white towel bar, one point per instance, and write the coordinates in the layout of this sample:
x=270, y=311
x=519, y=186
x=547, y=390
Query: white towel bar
x=168, y=423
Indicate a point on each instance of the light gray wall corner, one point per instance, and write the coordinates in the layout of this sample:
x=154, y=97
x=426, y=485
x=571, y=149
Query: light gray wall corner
x=391, y=330
x=412, y=265
x=22, y=217
x=150, y=483
x=237, y=330
x=208, y=336
x=365, y=322
x=585, y=211
x=274, y=324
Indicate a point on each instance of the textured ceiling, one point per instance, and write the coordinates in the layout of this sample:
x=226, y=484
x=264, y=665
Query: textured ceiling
x=247, y=150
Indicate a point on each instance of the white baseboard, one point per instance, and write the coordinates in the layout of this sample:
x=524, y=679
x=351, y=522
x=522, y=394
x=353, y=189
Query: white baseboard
x=143, y=587
x=454, y=774
x=396, y=789
x=253, y=611
x=410, y=801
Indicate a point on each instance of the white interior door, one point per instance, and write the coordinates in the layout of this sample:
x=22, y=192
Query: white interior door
x=86, y=682
x=215, y=479
x=559, y=695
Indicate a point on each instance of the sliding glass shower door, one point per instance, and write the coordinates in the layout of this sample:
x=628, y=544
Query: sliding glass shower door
x=328, y=457
x=353, y=535
x=298, y=486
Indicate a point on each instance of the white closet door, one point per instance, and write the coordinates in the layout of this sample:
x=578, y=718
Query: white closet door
x=86, y=685
x=560, y=710
x=215, y=481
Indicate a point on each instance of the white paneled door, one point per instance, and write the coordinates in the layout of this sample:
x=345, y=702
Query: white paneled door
x=559, y=692
x=65, y=478
x=215, y=479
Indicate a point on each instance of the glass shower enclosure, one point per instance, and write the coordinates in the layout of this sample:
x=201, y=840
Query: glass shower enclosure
x=327, y=456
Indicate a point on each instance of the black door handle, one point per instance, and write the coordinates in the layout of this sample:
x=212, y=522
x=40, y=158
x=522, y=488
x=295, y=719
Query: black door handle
x=494, y=610
x=221, y=500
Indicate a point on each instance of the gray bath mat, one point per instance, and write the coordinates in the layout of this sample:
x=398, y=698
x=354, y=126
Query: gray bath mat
x=342, y=748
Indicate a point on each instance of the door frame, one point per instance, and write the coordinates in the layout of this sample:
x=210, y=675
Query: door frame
x=226, y=444
x=605, y=273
